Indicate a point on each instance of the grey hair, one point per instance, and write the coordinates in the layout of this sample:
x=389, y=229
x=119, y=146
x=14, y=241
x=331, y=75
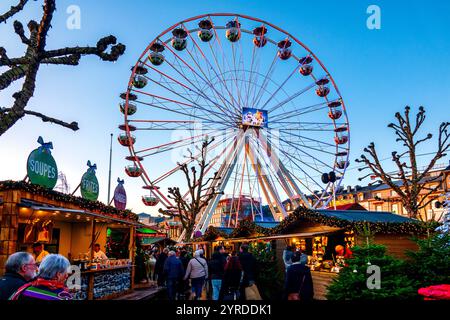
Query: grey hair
x=51, y=265
x=172, y=253
x=16, y=261
x=198, y=253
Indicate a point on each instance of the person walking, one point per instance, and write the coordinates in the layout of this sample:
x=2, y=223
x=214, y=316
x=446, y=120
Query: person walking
x=248, y=263
x=288, y=252
x=216, y=269
x=232, y=278
x=298, y=283
x=197, y=271
x=159, y=267
x=20, y=268
x=183, y=288
x=50, y=283
x=173, y=273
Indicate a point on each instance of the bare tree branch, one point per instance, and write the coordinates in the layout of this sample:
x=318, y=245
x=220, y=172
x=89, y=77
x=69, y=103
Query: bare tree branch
x=412, y=182
x=13, y=10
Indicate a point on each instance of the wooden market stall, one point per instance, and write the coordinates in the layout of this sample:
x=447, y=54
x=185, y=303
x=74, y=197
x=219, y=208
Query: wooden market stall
x=70, y=226
x=318, y=234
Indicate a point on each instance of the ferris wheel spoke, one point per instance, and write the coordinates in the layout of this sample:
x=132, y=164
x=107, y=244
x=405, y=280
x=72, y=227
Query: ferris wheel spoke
x=197, y=90
x=178, y=59
x=173, y=111
x=204, y=58
x=224, y=58
x=307, y=174
x=177, y=168
x=280, y=87
x=174, y=147
x=206, y=112
x=296, y=144
x=299, y=111
x=170, y=144
x=266, y=80
x=314, y=140
x=292, y=97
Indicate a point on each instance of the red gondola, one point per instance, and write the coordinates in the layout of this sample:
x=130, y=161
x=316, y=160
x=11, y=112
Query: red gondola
x=233, y=33
x=205, y=33
x=306, y=70
x=133, y=171
x=322, y=91
x=179, y=41
x=126, y=140
x=150, y=200
x=341, y=136
x=284, y=52
x=132, y=108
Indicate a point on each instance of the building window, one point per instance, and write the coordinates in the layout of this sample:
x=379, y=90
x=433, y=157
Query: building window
x=395, y=208
x=361, y=196
x=379, y=208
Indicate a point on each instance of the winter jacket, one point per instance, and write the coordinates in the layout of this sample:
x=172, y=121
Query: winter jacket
x=216, y=266
x=159, y=266
x=299, y=280
x=248, y=263
x=9, y=284
x=197, y=267
x=173, y=268
x=287, y=257
x=231, y=282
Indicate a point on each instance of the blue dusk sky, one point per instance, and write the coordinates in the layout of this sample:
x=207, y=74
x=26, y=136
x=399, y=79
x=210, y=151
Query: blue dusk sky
x=378, y=72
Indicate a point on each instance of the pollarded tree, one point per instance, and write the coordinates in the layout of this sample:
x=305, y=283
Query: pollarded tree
x=201, y=190
x=36, y=54
x=415, y=187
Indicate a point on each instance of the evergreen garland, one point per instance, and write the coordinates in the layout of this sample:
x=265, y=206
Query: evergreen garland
x=78, y=201
x=247, y=228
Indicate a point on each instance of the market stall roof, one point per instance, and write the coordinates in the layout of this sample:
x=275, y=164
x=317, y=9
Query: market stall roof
x=154, y=240
x=369, y=216
x=24, y=203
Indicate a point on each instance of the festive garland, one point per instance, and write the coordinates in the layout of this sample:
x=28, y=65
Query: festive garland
x=249, y=228
x=78, y=201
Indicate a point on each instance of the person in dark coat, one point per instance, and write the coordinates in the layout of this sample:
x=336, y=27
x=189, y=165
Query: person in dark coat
x=298, y=283
x=231, y=279
x=183, y=285
x=216, y=271
x=20, y=268
x=173, y=273
x=159, y=267
x=249, y=267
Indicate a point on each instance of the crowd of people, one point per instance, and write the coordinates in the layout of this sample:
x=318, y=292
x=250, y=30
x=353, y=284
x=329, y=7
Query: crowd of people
x=225, y=276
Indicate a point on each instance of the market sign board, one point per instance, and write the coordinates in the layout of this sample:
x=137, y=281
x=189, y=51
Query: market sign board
x=89, y=184
x=41, y=166
x=120, y=196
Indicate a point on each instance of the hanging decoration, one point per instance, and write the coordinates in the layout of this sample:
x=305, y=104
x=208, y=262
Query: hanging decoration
x=89, y=183
x=41, y=166
x=120, y=195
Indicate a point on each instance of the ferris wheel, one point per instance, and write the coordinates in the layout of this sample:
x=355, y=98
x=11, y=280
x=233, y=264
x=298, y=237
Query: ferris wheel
x=279, y=123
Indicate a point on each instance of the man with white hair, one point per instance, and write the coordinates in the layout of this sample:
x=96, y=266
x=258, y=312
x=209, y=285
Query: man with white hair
x=50, y=283
x=19, y=269
x=173, y=273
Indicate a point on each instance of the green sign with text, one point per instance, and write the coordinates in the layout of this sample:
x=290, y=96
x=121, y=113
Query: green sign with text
x=41, y=166
x=89, y=183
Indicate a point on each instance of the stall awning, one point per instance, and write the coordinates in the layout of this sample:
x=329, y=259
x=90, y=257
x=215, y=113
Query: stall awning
x=42, y=207
x=148, y=241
